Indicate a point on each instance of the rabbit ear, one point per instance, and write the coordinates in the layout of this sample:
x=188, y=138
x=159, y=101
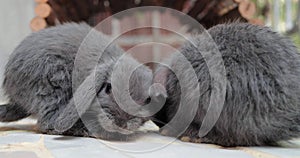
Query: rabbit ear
x=83, y=97
x=78, y=105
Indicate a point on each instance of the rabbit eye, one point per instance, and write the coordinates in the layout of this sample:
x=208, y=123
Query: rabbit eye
x=108, y=88
x=105, y=86
x=148, y=100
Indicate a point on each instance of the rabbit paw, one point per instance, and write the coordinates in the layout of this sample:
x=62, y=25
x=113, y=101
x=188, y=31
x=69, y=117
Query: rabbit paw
x=190, y=139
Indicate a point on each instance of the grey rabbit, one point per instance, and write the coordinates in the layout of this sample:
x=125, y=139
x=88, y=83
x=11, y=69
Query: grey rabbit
x=262, y=96
x=51, y=66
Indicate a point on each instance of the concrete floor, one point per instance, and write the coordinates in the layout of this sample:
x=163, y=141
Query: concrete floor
x=19, y=140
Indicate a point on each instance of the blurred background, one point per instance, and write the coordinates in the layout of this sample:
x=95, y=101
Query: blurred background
x=21, y=17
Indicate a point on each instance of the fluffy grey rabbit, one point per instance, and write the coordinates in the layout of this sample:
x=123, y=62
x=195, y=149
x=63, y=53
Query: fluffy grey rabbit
x=262, y=96
x=51, y=66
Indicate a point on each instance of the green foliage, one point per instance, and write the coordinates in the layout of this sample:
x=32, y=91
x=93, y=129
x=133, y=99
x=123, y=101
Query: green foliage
x=261, y=4
x=296, y=39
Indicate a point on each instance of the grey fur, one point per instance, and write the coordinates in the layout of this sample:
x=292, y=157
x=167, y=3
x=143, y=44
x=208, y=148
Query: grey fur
x=262, y=103
x=42, y=75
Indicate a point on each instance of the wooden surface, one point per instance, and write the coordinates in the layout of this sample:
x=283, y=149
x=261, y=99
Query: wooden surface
x=207, y=12
x=42, y=11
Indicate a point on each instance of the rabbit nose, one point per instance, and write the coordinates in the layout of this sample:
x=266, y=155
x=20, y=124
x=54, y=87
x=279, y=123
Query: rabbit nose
x=157, y=92
x=159, y=97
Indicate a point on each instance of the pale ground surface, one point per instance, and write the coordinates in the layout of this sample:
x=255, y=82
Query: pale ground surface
x=19, y=140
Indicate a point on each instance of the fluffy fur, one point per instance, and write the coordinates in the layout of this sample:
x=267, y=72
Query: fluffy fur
x=44, y=73
x=262, y=102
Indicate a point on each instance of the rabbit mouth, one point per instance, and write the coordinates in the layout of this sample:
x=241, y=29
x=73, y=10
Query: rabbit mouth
x=113, y=124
